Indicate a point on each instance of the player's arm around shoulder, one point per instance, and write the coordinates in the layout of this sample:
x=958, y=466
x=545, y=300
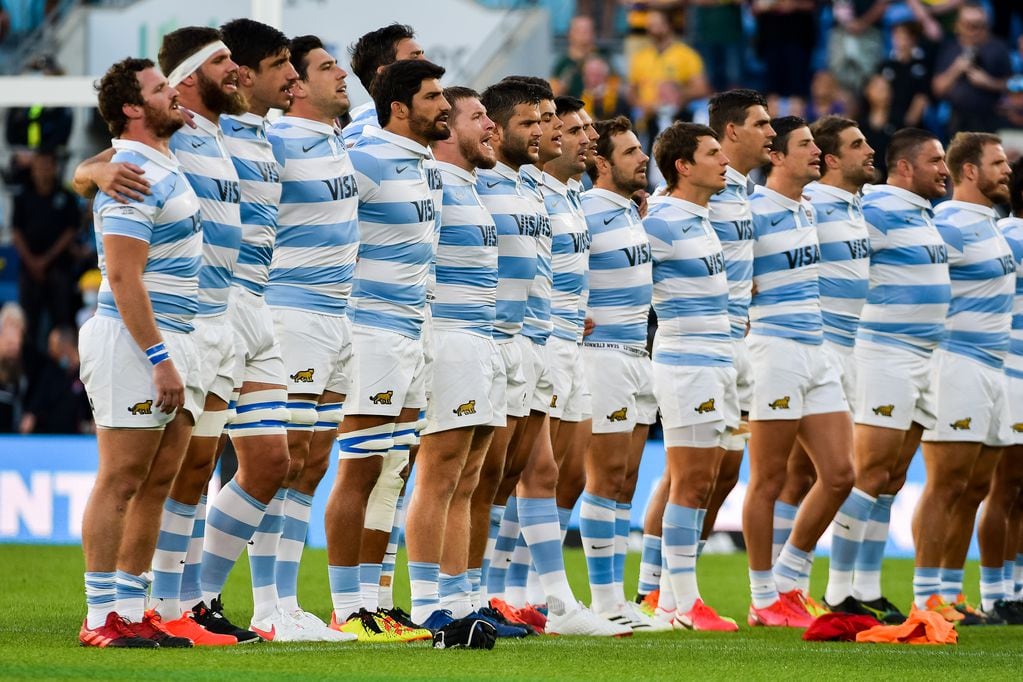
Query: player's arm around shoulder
x=123, y=182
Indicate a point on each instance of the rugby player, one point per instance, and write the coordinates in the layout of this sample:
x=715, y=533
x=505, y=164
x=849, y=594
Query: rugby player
x=139, y=361
x=797, y=391
x=693, y=376
x=972, y=412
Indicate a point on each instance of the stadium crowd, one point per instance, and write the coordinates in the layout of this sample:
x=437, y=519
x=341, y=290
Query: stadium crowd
x=462, y=281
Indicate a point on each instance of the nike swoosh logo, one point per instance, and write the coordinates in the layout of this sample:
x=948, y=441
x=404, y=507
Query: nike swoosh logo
x=608, y=220
x=686, y=229
x=775, y=222
x=237, y=128
x=182, y=562
x=306, y=149
x=601, y=546
x=841, y=525
x=268, y=635
x=492, y=185
x=252, y=542
x=400, y=169
x=197, y=143
x=687, y=556
x=829, y=211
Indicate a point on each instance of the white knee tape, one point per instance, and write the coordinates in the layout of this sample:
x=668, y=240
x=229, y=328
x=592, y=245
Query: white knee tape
x=705, y=435
x=374, y=441
x=302, y=414
x=261, y=413
x=405, y=434
x=736, y=439
x=211, y=424
x=384, y=498
x=232, y=407
x=328, y=416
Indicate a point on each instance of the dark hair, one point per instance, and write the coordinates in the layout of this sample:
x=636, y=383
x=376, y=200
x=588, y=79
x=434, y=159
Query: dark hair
x=119, y=86
x=1016, y=187
x=783, y=126
x=911, y=27
x=543, y=86
x=678, y=141
x=500, y=99
x=179, y=45
x=399, y=82
x=251, y=42
x=733, y=107
x=300, y=48
x=375, y=49
x=567, y=104
x=905, y=144
x=67, y=333
x=826, y=131
x=456, y=93
x=607, y=129
x=967, y=148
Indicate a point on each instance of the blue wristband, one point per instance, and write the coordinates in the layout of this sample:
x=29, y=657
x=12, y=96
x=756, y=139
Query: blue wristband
x=157, y=353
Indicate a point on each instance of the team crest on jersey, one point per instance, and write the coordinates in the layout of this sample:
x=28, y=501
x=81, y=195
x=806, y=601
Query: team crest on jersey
x=145, y=407
x=961, y=424
x=382, y=398
x=304, y=376
x=883, y=410
x=619, y=415
x=808, y=212
x=706, y=406
x=468, y=407
x=781, y=403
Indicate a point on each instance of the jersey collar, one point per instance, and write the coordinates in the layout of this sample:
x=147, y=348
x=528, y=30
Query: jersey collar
x=399, y=141
x=170, y=162
x=460, y=173
x=905, y=195
x=953, y=204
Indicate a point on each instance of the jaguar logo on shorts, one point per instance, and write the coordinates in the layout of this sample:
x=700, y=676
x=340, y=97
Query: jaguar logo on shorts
x=304, y=376
x=706, y=406
x=780, y=404
x=961, y=424
x=883, y=410
x=383, y=398
x=619, y=415
x=145, y=407
x=554, y=400
x=1018, y=427
x=468, y=407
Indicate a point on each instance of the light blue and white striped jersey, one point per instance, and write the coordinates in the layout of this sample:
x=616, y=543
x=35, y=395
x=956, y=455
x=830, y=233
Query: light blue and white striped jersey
x=1012, y=230
x=318, y=222
x=203, y=155
x=570, y=257
x=732, y=219
x=436, y=183
x=786, y=257
x=501, y=191
x=397, y=222
x=169, y=220
x=690, y=294
x=909, y=287
x=259, y=173
x=621, y=283
x=982, y=272
x=537, y=325
x=465, y=297
x=362, y=116
x=575, y=194
x=844, y=269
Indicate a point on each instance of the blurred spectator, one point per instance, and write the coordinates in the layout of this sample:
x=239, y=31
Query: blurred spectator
x=567, y=76
x=971, y=72
x=606, y=9
x=909, y=75
x=36, y=127
x=665, y=76
x=786, y=37
x=12, y=333
x=636, y=19
x=603, y=91
x=88, y=288
x=56, y=401
x=1012, y=106
x=875, y=120
x=826, y=97
x=944, y=12
x=855, y=45
x=717, y=34
x=44, y=224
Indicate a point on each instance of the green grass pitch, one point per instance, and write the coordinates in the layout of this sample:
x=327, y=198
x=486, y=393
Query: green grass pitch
x=43, y=606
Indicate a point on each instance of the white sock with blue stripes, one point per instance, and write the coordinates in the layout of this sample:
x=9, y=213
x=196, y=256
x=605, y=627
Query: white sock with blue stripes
x=623, y=524
x=597, y=529
x=263, y=557
x=650, y=565
x=191, y=591
x=848, y=528
x=424, y=578
x=100, y=597
x=538, y=518
x=131, y=595
x=784, y=519
x=176, y=524
x=297, y=509
x=232, y=521
x=681, y=536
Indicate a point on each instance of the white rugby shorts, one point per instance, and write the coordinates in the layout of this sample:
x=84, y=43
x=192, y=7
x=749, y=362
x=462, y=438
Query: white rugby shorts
x=792, y=379
x=570, y=397
x=387, y=372
x=972, y=402
x=316, y=351
x=894, y=386
x=621, y=385
x=466, y=381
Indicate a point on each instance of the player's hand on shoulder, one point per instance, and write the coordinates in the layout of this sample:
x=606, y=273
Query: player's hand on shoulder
x=122, y=182
x=170, y=389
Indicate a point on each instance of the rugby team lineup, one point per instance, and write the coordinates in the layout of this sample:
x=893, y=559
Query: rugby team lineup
x=462, y=281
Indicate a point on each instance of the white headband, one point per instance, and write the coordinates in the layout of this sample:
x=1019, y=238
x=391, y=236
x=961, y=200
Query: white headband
x=189, y=66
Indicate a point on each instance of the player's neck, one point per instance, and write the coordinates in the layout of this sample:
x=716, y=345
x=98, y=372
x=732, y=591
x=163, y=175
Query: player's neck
x=310, y=114
x=401, y=128
x=193, y=102
x=137, y=132
x=605, y=183
x=971, y=194
x=787, y=186
x=736, y=159
x=694, y=195
x=836, y=180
